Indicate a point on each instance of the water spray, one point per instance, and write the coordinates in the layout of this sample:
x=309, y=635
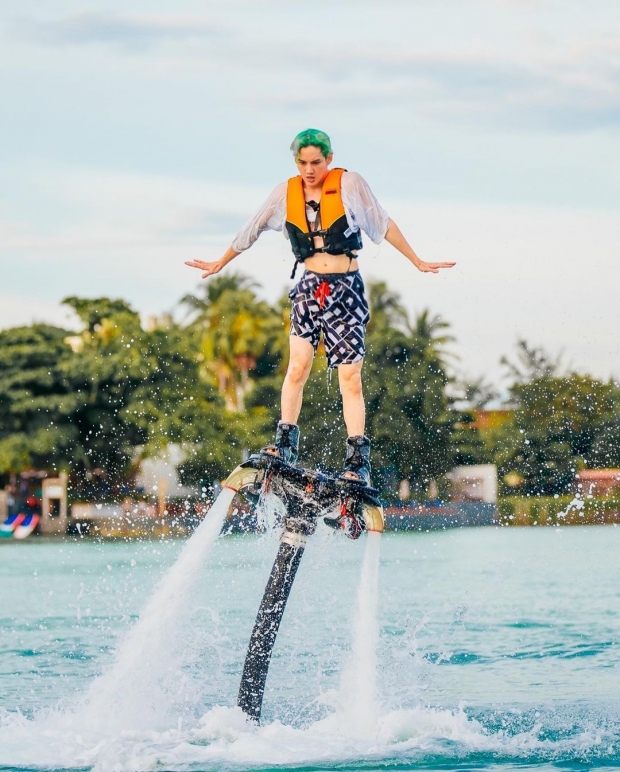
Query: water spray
x=307, y=495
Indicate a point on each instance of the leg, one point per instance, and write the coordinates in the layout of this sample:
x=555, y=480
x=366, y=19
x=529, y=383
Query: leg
x=350, y=379
x=357, y=463
x=299, y=366
x=286, y=445
x=344, y=328
x=303, y=340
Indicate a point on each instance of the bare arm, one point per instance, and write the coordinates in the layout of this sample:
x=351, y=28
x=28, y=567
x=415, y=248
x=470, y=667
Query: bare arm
x=399, y=242
x=269, y=217
x=214, y=267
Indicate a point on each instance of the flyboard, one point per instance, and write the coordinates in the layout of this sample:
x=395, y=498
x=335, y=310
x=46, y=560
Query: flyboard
x=307, y=495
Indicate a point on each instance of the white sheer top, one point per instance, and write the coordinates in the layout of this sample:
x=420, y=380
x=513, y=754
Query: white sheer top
x=361, y=207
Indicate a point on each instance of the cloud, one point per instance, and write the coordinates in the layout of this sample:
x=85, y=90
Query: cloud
x=114, y=211
x=544, y=83
x=128, y=31
x=570, y=89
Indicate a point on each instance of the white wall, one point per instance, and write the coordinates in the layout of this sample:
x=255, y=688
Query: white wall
x=474, y=483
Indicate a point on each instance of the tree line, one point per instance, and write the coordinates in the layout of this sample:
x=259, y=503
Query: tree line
x=84, y=402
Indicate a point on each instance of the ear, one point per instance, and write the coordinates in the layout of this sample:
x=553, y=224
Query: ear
x=329, y=158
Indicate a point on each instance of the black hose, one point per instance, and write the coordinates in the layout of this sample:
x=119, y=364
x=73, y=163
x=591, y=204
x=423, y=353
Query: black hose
x=267, y=623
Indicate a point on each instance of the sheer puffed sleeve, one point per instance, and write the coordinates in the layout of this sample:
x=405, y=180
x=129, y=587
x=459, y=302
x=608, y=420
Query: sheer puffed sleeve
x=364, y=209
x=269, y=217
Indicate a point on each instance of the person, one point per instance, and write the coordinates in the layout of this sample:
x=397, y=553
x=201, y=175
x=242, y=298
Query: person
x=322, y=211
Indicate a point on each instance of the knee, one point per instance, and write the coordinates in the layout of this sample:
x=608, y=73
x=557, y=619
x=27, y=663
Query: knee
x=297, y=373
x=351, y=382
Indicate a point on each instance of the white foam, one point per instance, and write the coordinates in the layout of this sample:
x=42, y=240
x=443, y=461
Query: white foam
x=223, y=738
x=145, y=681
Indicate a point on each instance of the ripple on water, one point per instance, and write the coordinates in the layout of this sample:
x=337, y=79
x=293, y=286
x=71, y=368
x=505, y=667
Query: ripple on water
x=515, y=626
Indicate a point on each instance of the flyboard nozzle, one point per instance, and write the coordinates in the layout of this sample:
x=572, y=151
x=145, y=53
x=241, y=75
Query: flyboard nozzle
x=241, y=477
x=374, y=518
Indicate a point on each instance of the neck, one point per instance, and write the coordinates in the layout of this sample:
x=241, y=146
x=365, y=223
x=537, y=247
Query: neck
x=314, y=190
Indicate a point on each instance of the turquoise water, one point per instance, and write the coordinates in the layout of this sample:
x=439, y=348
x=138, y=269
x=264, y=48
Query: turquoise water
x=498, y=649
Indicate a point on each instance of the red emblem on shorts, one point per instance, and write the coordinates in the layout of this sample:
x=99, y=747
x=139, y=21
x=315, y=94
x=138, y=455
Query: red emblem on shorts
x=322, y=293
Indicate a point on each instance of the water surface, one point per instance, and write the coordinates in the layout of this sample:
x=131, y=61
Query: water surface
x=498, y=649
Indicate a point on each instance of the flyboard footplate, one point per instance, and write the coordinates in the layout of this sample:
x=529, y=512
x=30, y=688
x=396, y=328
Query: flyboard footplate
x=344, y=504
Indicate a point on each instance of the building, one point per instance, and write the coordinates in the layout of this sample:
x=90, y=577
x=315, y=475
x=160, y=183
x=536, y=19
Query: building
x=598, y=482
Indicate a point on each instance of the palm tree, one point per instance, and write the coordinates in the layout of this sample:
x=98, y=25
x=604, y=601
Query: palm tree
x=213, y=289
x=429, y=338
x=386, y=309
x=236, y=328
x=533, y=362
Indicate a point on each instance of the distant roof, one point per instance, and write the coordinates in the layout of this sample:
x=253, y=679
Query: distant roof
x=490, y=419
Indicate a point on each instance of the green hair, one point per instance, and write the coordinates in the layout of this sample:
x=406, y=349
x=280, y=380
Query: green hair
x=314, y=138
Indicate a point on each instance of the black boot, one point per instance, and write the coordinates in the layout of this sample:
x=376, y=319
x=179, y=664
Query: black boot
x=357, y=460
x=286, y=445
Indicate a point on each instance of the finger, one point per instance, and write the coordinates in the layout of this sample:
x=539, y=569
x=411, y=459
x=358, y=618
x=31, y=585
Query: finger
x=195, y=263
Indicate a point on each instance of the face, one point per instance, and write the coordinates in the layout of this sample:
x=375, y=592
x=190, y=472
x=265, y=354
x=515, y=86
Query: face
x=313, y=165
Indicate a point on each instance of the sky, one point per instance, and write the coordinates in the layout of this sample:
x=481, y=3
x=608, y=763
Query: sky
x=137, y=135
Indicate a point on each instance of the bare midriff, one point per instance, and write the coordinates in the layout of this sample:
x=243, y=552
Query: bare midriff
x=324, y=263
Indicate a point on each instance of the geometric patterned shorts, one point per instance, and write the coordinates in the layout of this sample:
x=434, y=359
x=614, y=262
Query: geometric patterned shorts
x=334, y=304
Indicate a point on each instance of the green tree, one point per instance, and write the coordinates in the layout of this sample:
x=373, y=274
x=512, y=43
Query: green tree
x=531, y=363
x=109, y=365
x=604, y=451
x=410, y=414
x=95, y=311
x=561, y=423
x=143, y=388
x=237, y=336
x=469, y=445
x=37, y=399
x=478, y=393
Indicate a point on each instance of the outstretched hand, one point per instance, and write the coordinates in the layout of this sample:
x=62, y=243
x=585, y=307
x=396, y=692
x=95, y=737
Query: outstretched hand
x=399, y=242
x=208, y=268
x=432, y=267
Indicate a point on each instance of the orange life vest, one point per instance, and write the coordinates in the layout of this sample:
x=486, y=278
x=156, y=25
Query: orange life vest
x=335, y=231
